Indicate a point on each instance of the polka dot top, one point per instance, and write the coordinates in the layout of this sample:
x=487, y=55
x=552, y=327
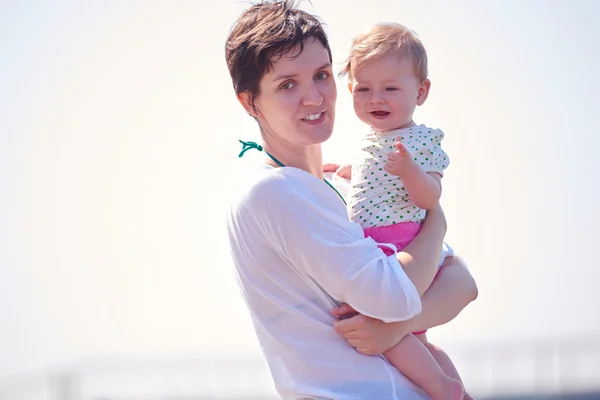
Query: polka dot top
x=377, y=198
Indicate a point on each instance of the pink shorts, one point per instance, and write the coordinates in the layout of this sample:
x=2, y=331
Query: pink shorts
x=400, y=235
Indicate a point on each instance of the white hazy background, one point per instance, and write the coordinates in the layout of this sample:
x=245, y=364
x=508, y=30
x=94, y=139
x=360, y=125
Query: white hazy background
x=118, y=153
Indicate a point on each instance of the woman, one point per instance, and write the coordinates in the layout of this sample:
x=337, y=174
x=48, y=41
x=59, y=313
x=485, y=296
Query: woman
x=296, y=253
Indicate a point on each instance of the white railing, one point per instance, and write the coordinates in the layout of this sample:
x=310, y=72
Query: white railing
x=527, y=367
x=524, y=368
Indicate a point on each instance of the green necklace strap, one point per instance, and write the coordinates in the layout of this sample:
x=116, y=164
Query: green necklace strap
x=253, y=145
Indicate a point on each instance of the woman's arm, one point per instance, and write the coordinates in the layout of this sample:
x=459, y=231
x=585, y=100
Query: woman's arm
x=318, y=241
x=420, y=258
x=450, y=293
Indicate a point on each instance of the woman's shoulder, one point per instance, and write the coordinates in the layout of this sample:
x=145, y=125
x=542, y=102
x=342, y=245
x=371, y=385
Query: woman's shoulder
x=265, y=179
x=266, y=186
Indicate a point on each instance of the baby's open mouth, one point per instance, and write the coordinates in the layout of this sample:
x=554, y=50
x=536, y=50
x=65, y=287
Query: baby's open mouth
x=380, y=113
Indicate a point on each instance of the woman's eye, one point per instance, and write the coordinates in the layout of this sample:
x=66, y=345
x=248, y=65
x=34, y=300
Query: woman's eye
x=287, y=85
x=321, y=76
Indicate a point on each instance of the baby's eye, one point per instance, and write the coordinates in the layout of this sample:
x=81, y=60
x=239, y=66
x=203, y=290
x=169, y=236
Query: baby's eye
x=362, y=89
x=391, y=89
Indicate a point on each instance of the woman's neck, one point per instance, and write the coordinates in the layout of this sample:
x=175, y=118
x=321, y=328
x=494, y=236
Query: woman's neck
x=306, y=158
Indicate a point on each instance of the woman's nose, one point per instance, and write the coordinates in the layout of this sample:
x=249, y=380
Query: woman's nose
x=312, y=96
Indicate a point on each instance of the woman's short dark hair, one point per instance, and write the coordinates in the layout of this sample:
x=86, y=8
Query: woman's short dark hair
x=265, y=30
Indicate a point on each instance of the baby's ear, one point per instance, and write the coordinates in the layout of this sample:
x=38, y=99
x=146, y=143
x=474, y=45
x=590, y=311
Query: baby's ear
x=423, y=92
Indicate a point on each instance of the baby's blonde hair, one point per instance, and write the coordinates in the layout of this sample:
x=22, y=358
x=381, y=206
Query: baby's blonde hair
x=382, y=39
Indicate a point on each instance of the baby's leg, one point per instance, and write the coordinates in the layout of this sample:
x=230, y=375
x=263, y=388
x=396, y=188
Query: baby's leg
x=413, y=359
x=443, y=360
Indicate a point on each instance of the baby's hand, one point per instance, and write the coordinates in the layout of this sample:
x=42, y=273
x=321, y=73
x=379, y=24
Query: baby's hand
x=400, y=162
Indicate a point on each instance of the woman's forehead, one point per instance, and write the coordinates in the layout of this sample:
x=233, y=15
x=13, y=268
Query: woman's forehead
x=298, y=60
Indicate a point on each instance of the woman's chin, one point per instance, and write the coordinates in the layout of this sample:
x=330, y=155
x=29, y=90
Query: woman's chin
x=319, y=134
x=322, y=138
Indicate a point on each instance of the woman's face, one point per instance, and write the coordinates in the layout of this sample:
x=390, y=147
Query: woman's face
x=296, y=102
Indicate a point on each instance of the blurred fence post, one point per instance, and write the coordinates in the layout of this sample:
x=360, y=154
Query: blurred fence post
x=64, y=386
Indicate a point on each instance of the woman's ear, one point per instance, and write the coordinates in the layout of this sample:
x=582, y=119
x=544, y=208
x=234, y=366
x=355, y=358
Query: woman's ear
x=246, y=101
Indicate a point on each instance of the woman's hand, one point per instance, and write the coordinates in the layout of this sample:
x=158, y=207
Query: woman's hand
x=343, y=170
x=451, y=291
x=367, y=335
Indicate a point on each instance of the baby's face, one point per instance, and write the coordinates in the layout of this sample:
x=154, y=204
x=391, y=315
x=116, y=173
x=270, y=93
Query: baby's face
x=386, y=92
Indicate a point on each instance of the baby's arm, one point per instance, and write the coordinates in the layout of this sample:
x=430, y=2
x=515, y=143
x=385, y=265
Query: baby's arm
x=425, y=189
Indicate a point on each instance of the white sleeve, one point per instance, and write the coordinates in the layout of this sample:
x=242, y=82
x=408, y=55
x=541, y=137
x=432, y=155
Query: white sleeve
x=432, y=157
x=320, y=242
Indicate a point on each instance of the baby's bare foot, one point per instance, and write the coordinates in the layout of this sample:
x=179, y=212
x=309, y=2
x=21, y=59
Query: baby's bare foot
x=467, y=396
x=452, y=389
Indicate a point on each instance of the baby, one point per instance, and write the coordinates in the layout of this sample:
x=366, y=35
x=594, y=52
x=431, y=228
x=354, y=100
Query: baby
x=397, y=174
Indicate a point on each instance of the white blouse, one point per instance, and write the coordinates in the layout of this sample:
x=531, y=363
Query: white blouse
x=296, y=256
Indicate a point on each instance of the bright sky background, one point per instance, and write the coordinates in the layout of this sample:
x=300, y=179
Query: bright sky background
x=118, y=152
